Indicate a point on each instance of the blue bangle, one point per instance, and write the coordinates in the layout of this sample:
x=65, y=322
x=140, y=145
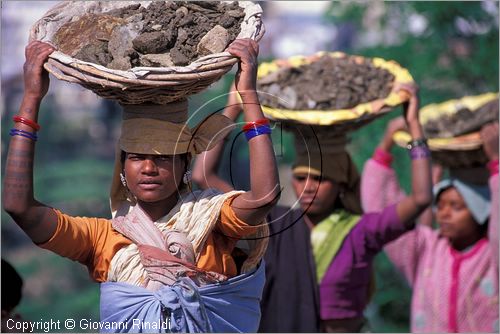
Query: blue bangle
x=257, y=131
x=22, y=133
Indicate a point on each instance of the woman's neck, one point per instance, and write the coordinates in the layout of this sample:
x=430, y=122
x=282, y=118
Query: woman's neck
x=157, y=210
x=464, y=243
x=314, y=219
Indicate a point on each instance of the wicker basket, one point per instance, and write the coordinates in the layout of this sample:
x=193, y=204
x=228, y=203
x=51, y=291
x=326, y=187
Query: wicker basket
x=158, y=85
x=345, y=120
x=462, y=151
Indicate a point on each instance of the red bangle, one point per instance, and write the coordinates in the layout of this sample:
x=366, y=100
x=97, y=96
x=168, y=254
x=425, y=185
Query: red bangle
x=20, y=119
x=493, y=167
x=382, y=157
x=253, y=125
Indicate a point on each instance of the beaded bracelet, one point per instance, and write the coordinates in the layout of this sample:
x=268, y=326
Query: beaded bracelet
x=255, y=124
x=416, y=143
x=22, y=133
x=32, y=124
x=257, y=131
x=419, y=152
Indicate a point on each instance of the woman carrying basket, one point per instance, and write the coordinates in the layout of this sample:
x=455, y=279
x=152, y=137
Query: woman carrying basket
x=328, y=245
x=166, y=258
x=453, y=270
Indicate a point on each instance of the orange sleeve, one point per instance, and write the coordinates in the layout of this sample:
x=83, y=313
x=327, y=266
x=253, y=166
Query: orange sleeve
x=230, y=225
x=91, y=241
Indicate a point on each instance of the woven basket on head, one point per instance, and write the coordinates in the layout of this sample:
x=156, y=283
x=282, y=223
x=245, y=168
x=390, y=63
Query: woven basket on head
x=463, y=149
x=344, y=120
x=158, y=85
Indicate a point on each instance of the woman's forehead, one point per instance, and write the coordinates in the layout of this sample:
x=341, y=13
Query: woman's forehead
x=450, y=193
x=154, y=155
x=306, y=175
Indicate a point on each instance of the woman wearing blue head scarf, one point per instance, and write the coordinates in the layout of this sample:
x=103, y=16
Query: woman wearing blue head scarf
x=453, y=270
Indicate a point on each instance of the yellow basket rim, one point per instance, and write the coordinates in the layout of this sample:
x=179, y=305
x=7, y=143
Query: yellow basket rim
x=472, y=102
x=329, y=117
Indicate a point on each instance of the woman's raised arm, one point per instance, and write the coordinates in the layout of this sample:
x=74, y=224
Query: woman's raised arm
x=253, y=206
x=410, y=207
x=36, y=219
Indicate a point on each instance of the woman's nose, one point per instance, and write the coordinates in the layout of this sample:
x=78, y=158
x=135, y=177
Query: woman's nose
x=309, y=186
x=149, y=166
x=444, y=211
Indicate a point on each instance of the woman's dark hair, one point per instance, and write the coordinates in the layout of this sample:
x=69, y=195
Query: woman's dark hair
x=12, y=287
x=123, y=156
x=483, y=228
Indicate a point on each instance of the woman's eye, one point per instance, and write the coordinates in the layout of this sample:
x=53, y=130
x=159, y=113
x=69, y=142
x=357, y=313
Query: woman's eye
x=164, y=158
x=457, y=207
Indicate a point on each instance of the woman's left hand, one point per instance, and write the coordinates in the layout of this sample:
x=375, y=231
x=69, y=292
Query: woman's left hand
x=412, y=107
x=247, y=51
x=489, y=136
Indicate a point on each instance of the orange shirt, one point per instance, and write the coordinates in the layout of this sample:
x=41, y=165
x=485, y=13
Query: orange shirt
x=93, y=242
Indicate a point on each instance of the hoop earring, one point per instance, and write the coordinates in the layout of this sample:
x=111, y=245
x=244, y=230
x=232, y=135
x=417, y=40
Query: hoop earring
x=187, y=177
x=124, y=181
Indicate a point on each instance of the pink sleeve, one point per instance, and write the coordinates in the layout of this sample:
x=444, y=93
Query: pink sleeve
x=379, y=187
x=493, y=224
x=406, y=251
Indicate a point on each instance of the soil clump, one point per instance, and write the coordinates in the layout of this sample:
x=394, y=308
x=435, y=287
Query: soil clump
x=462, y=122
x=161, y=35
x=326, y=84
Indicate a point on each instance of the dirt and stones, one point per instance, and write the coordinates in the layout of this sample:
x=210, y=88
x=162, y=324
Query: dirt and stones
x=326, y=84
x=463, y=121
x=163, y=34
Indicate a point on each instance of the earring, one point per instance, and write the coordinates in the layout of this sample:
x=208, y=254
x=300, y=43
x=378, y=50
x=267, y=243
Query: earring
x=124, y=181
x=187, y=177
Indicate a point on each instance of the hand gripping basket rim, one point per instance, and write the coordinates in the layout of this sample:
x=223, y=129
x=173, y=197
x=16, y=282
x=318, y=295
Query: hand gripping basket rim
x=329, y=117
x=141, y=84
x=467, y=142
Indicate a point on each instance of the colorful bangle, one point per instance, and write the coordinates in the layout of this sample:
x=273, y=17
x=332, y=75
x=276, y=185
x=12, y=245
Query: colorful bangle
x=260, y=130
x=416, y=143
x=255, y=124
x=419, y=152
x=493, y=167
x=22, y=133
x=383, y=157
x=32, y=124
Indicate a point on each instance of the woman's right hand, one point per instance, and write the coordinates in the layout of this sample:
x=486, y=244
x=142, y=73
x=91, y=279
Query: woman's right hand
x=36, y=78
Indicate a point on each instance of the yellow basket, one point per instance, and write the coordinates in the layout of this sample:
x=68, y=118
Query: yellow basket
x=349, y=118
x=457, y=151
